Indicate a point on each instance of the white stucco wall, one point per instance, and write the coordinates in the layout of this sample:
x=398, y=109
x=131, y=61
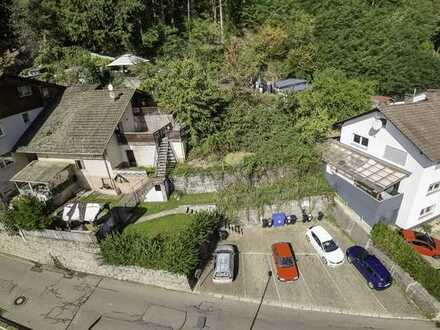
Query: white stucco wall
x=154, y=196
x=14, y=126
x=179, y=150
x=145, y=154
x=115, y=153
x=422, y=170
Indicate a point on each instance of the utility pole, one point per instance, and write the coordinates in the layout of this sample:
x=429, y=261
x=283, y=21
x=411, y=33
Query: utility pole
x=221, y=22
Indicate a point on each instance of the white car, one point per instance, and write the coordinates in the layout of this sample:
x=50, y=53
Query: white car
x=326, y=247
x=224, y=264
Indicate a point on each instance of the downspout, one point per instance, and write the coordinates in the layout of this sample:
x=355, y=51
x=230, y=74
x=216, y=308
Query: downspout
x=108, y=172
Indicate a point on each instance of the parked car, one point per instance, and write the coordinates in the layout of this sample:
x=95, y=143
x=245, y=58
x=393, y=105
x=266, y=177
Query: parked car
x=285, y=262
x=224, y=263
x=326, y=247
x=422, y=243
x=377, y=276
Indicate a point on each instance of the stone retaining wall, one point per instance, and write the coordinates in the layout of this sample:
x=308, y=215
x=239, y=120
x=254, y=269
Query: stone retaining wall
x=84, y=257
x=249, y=217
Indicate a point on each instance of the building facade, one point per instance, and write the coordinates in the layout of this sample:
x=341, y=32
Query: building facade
x=23, y=103
x=385, y=165
x=106, y=137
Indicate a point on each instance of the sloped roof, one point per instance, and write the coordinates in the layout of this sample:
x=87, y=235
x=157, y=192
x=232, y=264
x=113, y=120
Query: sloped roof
x=419, y=122
x=82, y=123
x=40, y=171
x=126, y=60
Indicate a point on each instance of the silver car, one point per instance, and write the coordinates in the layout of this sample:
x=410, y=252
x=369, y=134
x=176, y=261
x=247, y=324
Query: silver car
x=224, y=264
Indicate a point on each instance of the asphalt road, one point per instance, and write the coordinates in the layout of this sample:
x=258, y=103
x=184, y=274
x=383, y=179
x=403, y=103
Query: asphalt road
x=89, y=302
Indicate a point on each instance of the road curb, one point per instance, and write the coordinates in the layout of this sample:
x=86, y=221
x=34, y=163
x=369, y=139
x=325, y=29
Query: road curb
x=311, y=308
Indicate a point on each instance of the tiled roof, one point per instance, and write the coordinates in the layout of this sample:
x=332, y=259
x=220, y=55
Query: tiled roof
x=82, y=123
x=419, y=122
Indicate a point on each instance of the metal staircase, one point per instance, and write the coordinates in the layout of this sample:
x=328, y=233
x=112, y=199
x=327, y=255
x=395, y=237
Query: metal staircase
x=166, y=159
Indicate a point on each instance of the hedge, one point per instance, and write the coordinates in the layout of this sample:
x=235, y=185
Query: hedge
x=392, y=244
x=177, y=253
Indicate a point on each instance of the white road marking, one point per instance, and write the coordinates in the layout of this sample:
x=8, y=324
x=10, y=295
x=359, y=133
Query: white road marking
x=305, y=282
x=241, y=269
x=274, y=274
x=368, y=289
x=334, y=282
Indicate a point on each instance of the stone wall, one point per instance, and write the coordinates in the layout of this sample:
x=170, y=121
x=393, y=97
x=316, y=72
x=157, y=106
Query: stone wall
x=84, y=257
x=212, y=182
x=204, y=183
x=249, y=217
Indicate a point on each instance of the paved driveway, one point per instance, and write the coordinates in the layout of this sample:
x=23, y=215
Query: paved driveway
x=319, y=287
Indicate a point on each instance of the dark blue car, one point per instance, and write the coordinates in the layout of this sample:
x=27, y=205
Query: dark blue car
x=377, y=276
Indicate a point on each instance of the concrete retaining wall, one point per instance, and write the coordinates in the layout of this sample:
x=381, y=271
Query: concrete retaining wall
x=84, y=257
x=359, y=231
x=415, y=291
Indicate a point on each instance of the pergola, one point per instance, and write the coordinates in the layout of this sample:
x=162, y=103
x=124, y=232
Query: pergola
x=40, y=177
x=373, y=173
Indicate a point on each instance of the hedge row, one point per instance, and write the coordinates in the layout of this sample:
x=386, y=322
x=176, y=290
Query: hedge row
x=177, y=253
x=390, y=242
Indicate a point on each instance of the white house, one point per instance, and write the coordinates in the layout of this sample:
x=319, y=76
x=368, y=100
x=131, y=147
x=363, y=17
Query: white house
x=386, y=164
x=23, y=102
x=100, y=139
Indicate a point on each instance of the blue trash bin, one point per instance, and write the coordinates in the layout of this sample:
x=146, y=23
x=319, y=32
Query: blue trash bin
x=278, y=219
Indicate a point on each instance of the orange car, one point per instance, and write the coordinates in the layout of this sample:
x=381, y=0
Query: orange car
x=422, y=243
x=285, y=262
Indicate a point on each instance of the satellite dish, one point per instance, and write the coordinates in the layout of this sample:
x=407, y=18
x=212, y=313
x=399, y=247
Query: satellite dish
x=378, y=124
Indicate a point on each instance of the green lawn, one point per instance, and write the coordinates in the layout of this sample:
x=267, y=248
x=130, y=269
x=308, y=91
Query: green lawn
x=168, y=225
x=173, y=202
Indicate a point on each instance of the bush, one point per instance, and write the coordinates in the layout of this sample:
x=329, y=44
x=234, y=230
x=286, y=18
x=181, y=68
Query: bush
x=177, y=253
x=26, y=213
x=390, y=242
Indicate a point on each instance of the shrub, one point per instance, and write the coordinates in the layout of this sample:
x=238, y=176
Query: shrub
x=177, y=253
x=26, y=213
x=390, y=242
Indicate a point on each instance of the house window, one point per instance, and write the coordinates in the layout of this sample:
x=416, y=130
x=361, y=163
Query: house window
x=395, y=155
x=6, y=160
x=79, y=164
x=434, y=187
x=25, y=117
x=360, y=140
x=426, y=211
x=2, y=132
x=24, y=91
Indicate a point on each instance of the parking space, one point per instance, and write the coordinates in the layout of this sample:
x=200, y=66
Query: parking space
x=340, y=289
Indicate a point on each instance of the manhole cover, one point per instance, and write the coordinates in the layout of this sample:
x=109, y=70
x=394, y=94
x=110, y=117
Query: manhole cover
x=20, y=300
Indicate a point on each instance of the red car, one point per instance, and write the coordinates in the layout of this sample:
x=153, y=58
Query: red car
x=422, y=243
x=285, y=262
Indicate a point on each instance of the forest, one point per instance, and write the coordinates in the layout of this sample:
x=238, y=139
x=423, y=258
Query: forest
x=204, y=54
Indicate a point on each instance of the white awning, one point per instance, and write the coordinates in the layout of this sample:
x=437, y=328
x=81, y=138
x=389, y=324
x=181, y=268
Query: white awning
x=81, y=211
x=359, y=166
x=127, y=60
